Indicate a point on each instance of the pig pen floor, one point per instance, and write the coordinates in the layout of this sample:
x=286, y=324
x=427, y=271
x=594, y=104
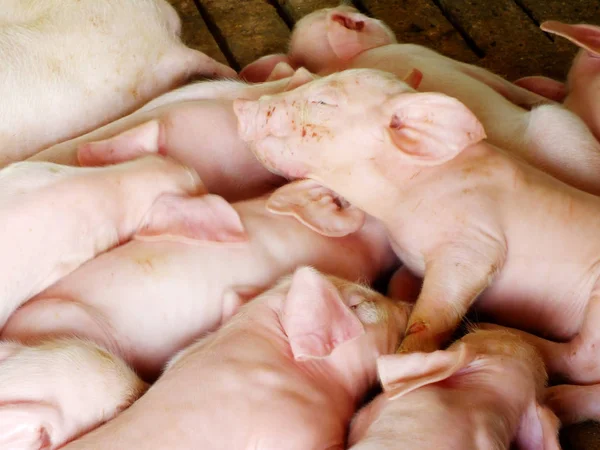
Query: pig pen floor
x=501, y=35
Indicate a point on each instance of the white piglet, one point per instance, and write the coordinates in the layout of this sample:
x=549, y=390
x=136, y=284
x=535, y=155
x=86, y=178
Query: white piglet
x=69, y=66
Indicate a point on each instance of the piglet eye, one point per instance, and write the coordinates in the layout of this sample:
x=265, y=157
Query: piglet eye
x=325, y=102
x=354, y=301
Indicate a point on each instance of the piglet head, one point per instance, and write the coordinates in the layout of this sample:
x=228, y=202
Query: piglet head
x=325, y=317
x=330, y=37
x=333, y=124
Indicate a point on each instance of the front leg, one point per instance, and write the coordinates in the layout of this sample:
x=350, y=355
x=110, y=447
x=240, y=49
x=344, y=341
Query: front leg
x=454, y=277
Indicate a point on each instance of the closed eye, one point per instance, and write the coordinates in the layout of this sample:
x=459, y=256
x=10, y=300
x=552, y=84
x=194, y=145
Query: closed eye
x=321, y=102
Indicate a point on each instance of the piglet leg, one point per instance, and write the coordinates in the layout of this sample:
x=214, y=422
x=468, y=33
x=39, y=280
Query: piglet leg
x=135, y=142
x=453, y=279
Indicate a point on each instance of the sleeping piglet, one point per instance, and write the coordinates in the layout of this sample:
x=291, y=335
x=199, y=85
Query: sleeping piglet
x=69, y=66
x=474, y=222
x=59, y=389
x=549, y=136
x=286, y=372
x=195, y=125
x=483, y=393
x=146, y=300
x=580, y=94
x=54, y=217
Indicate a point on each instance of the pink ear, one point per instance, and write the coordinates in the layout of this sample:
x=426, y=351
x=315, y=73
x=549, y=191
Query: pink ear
x=300, y=77
x=191, y=219
x=350, y=33
x=403, y=373
x=259, y=70
x=125, y=146
x=317, y=207
x=315, y=317
x=414, y=78
x=546, y=87
x=585, y=36
x=538, y=429
x=431, y=128
x=281, y=70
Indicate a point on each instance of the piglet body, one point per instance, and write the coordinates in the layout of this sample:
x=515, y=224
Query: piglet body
x=482, y=393
x=293, y=364
x=146, y=300
x=549, y=136
x=54, y=217
x=195, y=125
x=72, y=65
x=59, y=389
x=477, y=224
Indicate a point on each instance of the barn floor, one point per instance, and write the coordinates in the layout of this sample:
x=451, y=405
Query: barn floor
x=501, y=35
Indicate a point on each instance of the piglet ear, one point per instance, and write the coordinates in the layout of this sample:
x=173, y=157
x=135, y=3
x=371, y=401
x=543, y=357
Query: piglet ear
x=544, y=86
x=128, y=145
x=315, y=316
x=431, y=128
x=317, y=207
x=208, y=218
x=538, y=429
x=300, y=77
x=414, y=78
x=403, y=373
x=280, y=71
x=260, y=70
x=585, y=36
x=350, y=33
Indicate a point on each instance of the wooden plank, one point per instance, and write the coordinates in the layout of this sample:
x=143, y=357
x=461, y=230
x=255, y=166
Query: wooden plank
x=194, y=32
x=250, y=28
x=421, y=22
x=572, y=11
x=584, y=436
x=296, y=9
x=513, y=44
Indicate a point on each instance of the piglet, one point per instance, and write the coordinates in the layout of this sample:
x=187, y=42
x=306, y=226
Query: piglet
x=483, y=393
x=580, y=94
x=287, y=372
x=70, y=66
x=549, y=136
x=57, y=390
x=54, y=217
x=195, y=125
x=150, y=298
x=477, y=224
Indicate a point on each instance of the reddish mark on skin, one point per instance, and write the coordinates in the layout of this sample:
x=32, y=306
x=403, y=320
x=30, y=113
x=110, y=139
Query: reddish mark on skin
x=396, y=123
x=314, y=134
x=350, y=24
x=416, y=327
x=303, y=131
